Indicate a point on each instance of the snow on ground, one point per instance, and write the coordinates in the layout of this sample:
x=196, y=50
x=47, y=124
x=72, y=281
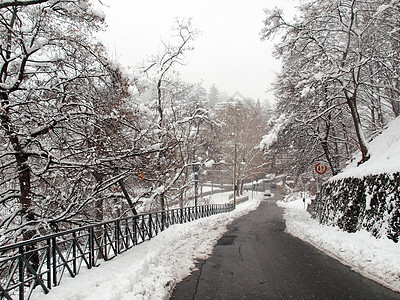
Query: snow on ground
x=385, y=153
x=151, y=269
x=208, y=188
x=377, y=259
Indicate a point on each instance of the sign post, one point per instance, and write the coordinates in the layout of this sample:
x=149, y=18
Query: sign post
x=304, y=195
x=320, y=169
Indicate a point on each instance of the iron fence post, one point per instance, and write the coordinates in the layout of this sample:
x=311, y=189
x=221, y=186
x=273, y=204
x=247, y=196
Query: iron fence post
x=74, y=253
x=21, y=273
x=127, y=235
x=48, y=263
x=142, y=228
x=91, y=247
x=162, y=220
x=181, y=217
x=134, y=225
x=149, y=224
x=54, y=259
x=104, y=243
x=117, y=231
x=156, y=223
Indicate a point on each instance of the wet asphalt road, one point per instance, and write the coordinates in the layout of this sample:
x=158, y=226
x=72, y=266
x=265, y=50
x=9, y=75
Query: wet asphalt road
x=256, y=259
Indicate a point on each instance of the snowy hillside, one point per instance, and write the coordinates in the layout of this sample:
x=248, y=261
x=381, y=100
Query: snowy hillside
x=385, y=155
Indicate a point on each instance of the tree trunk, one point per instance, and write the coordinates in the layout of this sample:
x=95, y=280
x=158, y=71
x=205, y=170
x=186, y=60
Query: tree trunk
x=24, y=174
x=395, y=102
x=25, y=197
x=325, y=147
x=351, y=102
x=99, y=208
x=24, y=179
x=127, y=197
x=162, y=201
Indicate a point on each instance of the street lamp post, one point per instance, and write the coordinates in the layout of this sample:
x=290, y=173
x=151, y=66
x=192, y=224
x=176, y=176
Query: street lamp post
x=196, y=168
x=234, y=177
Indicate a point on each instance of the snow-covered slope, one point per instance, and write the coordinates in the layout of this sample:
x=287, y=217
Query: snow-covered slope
x=385, y=155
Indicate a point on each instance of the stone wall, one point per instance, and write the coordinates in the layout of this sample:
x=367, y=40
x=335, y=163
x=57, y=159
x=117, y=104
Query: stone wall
x=371, y=203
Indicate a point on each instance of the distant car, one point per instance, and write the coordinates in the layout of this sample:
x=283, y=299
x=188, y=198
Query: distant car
x=273, y=185
x=267, y=193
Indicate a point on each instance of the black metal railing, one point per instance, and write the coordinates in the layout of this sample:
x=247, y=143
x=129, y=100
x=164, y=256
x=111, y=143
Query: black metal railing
x=42, y=262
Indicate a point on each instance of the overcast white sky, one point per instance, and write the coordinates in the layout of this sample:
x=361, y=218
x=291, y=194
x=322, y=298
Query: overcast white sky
x=228, y=52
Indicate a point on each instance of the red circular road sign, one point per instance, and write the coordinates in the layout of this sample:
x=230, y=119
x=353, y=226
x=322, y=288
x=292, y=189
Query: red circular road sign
x=320, y=168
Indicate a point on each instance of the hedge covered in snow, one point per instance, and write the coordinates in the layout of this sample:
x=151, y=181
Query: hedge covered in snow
x=371, y=203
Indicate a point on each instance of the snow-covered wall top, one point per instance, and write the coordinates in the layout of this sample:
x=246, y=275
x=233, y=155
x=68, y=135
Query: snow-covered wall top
x=385, y=155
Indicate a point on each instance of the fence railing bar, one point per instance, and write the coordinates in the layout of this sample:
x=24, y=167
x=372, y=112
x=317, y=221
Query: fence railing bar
x=36, y=278
x=83, y=255
x=11, y=274
x=123, y=242
x=100, y=249
x=63, y=264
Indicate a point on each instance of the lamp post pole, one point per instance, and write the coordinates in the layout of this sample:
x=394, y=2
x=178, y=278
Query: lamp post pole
x=234, y=177
x=196, y=167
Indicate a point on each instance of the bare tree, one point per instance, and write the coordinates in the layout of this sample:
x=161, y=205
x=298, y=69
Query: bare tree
x=164, y=96
x=242, y=129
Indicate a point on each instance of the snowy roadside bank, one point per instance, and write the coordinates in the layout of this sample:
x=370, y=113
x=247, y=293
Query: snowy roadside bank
x=150, y=270
x=377, y=259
